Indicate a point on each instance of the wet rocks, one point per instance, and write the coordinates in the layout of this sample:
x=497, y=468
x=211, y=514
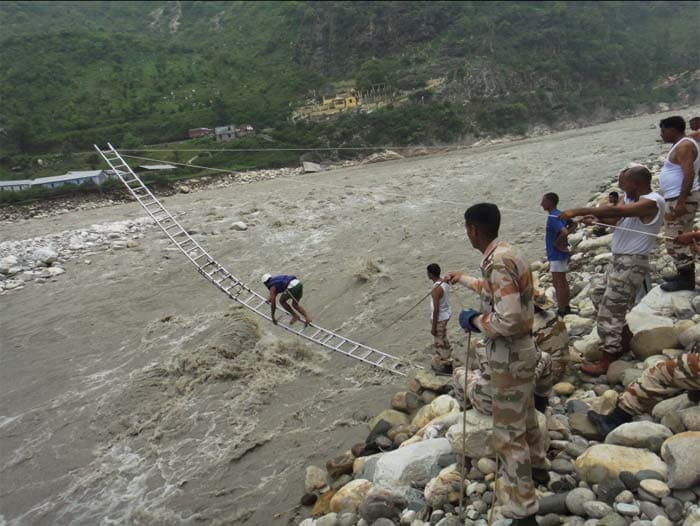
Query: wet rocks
x=605, y=460
x=682, y=455
x=646, y=435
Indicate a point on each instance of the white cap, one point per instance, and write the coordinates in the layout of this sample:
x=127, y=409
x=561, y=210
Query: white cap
x=265, y=278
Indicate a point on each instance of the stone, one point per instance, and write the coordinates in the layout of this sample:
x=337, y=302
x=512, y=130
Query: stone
x=671, y=405
x=588, y=346
x=625, y=496
x=554, y=504
x=323, y=503
x=486, y=465
x=45, y=255
x=660, y=520
x=416, y=462
x=616, y=369
x=592, y=243
x=577, y=326
x=646, y=474
x=438, y=491
x=609, y=488
x=330, y=519
x=596, y=509
x=340, y=482
x=382, y=521
x=441, y=406
x=607, y=460
x=309, y=167
x=673, y=508
x=689, y=337
x=627, y=510
x=647, y=435
x=613, y=519
x=576, y=498
x=581, y=425
x=682, y=455
x=564, y=388
x=652, y=341
x=693, y=518
x=316, y=479
x=350, y=497
x=691, y=418
x=684, y=495
x=651, y=510
x=642, y=319
x=563, y=466
x=381, y=502
x=629, y=480
x=406, y=401
x=605, y=403
x=657, y=488
x=391, y=416
x=7, y=263
x=347, y=519
x=308, y=499
x=424, y=379
x=239, y=226
x=577, y=406
x=550, y=519
x=340, y=465
x=631, y=375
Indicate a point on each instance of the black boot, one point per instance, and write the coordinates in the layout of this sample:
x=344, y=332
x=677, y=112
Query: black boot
x=606, y=423
x=541, y=403
x=684, y=281
x=525, y=521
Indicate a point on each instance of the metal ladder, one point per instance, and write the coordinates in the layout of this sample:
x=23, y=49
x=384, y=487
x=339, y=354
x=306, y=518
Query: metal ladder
x=234, y=288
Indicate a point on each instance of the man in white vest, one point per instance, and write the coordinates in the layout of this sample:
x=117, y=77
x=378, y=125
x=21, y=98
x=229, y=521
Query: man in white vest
x=681, y=190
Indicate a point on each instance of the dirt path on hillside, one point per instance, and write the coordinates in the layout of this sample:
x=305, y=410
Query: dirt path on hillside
x=132, y=392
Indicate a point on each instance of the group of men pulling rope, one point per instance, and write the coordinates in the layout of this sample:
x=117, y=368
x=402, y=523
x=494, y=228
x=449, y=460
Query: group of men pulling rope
x=508, y=379
x=522, y=340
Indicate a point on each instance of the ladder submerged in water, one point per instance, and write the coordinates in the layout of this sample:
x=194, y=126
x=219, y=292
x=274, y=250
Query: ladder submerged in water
x=234, y=288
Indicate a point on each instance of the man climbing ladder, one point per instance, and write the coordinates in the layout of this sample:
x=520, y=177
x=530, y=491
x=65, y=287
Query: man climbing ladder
x=287, y=287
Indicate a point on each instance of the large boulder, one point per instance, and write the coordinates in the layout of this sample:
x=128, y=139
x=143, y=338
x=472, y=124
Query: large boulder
x=45, y=255
x=652, y=341
x=417, y=462
x=671, y=405
x=350, y=496
x=606, y=460
x=664, y=303
x=439, y=407
x=646, y=435
x=682, y=455
x=643, y=320
x=479, y=434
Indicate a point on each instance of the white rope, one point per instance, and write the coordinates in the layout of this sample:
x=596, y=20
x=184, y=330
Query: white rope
x=463, y=467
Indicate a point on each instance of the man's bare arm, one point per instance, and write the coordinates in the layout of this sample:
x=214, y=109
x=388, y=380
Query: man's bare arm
x=642, y=208
x=685, y=157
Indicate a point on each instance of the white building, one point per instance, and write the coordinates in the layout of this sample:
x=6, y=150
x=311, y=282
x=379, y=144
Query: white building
x=73, y=177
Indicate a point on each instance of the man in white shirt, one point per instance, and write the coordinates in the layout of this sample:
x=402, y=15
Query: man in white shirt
x=638, y=222
x=681, y=190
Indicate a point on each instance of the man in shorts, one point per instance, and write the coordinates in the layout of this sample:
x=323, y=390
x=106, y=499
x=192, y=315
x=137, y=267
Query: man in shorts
x=287, y=287
x=558, y=253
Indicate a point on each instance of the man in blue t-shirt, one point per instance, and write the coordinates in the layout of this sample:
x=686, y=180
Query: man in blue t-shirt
x=287, y=287
x=557, y=251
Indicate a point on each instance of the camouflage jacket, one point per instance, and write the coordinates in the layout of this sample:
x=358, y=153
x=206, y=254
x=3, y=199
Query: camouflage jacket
x=506, y=291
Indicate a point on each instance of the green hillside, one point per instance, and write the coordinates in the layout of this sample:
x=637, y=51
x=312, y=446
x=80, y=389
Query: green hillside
x=75, y=73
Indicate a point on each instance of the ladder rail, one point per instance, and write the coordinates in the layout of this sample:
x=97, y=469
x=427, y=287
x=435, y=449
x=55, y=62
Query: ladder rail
x=233, y=287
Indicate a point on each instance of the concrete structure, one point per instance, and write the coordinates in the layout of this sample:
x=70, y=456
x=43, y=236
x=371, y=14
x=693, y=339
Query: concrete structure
x=73, y=177
x=157, y=167
x=225, y=133
x=245, y=129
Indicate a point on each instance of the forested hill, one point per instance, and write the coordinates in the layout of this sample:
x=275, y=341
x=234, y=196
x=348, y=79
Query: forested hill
x=74, y=73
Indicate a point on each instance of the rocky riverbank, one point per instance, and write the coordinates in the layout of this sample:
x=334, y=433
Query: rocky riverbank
x=645, y=473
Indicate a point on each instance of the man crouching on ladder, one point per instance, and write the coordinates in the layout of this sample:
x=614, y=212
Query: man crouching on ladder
x=287, y=287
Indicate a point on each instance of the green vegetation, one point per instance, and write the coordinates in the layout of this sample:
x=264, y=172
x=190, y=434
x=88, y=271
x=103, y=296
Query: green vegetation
x=77, y=73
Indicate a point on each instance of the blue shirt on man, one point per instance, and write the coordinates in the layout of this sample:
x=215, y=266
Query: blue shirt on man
x=279, y=282
x=554, y=226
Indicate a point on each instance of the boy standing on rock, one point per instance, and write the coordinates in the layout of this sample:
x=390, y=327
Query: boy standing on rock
x=638, y=222
x=506, y=290
x=440, y=314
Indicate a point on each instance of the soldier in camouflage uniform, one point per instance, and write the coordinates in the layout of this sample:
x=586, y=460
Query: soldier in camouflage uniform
x=663, y=380
x=506, y=291
x=638, y=220
x=552, y=344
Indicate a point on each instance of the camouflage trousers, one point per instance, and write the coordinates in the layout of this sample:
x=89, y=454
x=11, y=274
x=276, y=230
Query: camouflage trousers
x=613, y=295
x=504, y=386
x=682, y=254
x=440, y=340
x=661, y=381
